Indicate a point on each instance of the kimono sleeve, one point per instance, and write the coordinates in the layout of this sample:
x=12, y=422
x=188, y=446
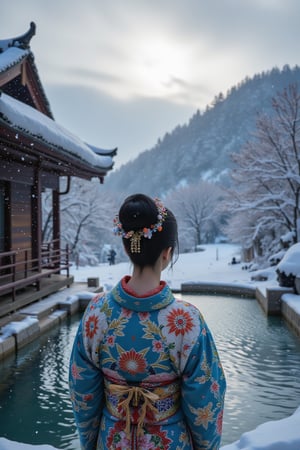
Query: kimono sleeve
x=203, y=392
x=86, y=389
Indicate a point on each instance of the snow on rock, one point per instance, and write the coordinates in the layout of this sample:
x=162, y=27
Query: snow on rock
x=5, y=444
x=281, y=434
x=276, y=257
x=290, y=263
x=288, y=238
x=15, y=327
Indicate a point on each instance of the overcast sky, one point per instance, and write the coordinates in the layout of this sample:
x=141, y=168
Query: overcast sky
x=124, y=72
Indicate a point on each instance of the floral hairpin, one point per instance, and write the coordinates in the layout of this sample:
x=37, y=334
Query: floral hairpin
x=136, y=235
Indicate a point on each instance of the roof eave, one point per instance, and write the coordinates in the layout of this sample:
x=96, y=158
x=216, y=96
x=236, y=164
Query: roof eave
x=19, y=144
x=103, y=152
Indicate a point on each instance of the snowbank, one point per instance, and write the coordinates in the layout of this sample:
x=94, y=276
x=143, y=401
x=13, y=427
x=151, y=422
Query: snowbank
x=290, y=263
x=281, y=434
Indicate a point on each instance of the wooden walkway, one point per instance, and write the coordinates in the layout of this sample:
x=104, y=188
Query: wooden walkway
x=30, y=294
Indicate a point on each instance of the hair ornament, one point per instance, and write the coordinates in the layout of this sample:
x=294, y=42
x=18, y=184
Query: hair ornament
x=136, y=235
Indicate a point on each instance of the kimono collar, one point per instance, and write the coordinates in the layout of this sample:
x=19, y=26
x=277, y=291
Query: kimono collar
x=157, y=300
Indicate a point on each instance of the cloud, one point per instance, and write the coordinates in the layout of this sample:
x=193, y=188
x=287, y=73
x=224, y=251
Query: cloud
x=89, y=74
x=158, y=60
x=132, y=126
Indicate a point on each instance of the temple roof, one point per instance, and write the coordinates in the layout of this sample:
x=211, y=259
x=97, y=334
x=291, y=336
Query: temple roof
x=42, y=128
x=15, y=53
x=22, y=42
x=35, y=118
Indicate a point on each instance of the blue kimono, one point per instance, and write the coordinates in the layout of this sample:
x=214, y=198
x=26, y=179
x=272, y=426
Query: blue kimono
x=145, y=374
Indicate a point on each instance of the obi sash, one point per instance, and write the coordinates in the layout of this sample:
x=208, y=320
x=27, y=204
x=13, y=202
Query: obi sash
x=139, y=405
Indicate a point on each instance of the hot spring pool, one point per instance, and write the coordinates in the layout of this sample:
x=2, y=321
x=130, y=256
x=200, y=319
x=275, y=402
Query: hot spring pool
x=260, y=356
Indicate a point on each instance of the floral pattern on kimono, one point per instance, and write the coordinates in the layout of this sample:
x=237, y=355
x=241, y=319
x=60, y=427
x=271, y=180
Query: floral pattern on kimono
x=145, y=374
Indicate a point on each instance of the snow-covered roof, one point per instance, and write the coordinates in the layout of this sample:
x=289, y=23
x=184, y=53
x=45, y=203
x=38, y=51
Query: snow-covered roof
x=11, y=57
x=103, y=151
x=27, y=119
x=14, y=50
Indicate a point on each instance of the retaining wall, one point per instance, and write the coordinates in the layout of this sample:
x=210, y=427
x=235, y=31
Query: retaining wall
x=218, y=288
x=31, y=322
x=290, y=314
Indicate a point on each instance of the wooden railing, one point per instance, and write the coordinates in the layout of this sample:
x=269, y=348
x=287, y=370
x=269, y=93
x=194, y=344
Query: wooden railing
x=54, y=257
x=18, y=269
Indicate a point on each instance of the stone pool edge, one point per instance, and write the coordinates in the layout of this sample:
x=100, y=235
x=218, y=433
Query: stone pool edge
x=50, y=313
x=273, y=300
x=45, y=314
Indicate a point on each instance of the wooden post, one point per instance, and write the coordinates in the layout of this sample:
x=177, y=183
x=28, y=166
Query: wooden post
x=56, y=224
x=36, y=206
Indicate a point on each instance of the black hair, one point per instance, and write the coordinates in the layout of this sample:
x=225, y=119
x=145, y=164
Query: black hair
x=140, y=211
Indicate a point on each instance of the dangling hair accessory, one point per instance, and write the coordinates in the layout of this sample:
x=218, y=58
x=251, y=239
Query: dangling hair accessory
x=135, y=242
x=136, y=235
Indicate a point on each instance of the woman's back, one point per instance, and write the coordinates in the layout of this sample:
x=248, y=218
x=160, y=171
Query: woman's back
x=144, y=371
x=144, y=348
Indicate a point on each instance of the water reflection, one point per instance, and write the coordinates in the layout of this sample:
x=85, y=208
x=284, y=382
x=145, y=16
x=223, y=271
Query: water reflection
x=261, y=359
x=34, y=397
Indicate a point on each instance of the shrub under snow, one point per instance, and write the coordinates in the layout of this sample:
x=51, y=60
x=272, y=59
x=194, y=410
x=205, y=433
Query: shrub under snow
x=289, y=267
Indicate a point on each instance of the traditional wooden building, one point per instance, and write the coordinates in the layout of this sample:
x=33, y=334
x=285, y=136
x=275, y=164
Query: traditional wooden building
x=35, y=152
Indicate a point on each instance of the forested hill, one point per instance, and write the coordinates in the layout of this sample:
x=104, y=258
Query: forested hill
x=202, y=148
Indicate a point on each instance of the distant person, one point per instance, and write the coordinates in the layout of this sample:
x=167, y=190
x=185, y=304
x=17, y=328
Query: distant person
x=77, y=260
x=112, y=257
x=144, y=370
x=233, y=261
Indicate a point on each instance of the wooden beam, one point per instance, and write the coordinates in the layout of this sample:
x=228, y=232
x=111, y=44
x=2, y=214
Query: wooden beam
x=10, y=74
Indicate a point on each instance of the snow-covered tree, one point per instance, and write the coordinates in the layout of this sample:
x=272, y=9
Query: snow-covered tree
x=267, y=173
x=196, y=209
x=86, y=217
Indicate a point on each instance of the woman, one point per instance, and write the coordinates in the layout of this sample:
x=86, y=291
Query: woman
x=144, y=371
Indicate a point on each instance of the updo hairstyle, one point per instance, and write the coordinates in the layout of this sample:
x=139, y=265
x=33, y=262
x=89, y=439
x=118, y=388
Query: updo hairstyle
x=140, y=211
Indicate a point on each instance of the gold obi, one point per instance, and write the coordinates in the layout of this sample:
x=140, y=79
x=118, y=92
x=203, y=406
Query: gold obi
x=138, y=405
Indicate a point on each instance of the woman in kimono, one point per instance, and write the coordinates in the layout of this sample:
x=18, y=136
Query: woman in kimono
x=144, y=370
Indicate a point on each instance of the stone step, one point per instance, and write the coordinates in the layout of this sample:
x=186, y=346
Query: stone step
x=40, y=309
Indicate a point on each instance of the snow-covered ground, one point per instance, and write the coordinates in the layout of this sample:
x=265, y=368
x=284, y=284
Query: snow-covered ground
x=213, y=264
